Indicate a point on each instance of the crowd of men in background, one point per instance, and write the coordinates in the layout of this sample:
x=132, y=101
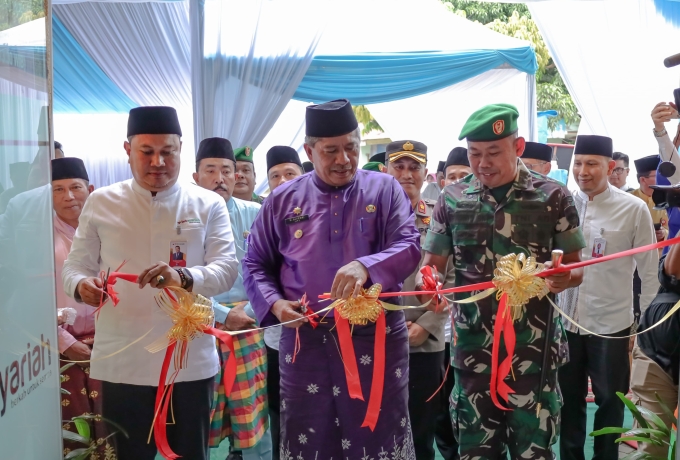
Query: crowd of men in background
x=328, y=226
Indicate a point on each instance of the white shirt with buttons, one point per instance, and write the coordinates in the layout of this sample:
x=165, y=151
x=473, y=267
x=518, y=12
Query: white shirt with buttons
x=605, y=298
x=124, y=222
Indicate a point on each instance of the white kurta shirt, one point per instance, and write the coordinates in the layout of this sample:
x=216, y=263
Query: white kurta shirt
x=605, y=298
x=123, y=222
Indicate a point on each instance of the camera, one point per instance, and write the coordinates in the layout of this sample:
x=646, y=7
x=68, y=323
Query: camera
x=666, y=196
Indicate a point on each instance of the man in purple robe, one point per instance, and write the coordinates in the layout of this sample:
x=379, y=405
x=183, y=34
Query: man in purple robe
x=334, y=230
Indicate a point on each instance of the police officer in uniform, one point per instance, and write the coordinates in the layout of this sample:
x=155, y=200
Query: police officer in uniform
x=504, y=208
x=406, y=162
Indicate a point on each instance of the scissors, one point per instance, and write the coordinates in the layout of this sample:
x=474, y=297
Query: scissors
x=105, y=285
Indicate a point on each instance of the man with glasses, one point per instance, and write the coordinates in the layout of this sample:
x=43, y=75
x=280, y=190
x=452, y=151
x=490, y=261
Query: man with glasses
x=537, y=157
x=620, y=172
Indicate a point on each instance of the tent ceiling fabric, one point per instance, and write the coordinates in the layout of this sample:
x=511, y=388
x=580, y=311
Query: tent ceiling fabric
x=80, y=86
x=613, y=67
x=385, y=63
x=144, y=50
x=395, y=76
x=441, y=114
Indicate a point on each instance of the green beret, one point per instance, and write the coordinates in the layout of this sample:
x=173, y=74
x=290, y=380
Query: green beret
x=244, y=154
x=374, y=166
x=491, y=123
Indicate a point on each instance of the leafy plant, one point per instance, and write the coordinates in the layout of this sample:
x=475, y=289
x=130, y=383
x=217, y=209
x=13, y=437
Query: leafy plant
x=514, y=20
x=651, y=429
x=84, y=435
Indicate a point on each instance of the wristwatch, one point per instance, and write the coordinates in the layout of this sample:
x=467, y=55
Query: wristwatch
x=661, y=133
x=186, y=278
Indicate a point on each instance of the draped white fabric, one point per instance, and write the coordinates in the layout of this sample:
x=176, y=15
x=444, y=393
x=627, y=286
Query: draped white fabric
x=437, y=118
x=289, y=130
x=144, y=48
x=245, y=71
x=610, y=54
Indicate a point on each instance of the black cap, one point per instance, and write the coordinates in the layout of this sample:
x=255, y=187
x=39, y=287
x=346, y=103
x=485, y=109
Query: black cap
x=153, y=120
x=378, y=157
x=308, y=166
x=330, y=119
x=647, y=164
x=69, y=168
x=215, y=147
x=441, y=167
x=538, y=151
x=280, y=154
x=594, y=145
x=457, y=156
x=412, y=149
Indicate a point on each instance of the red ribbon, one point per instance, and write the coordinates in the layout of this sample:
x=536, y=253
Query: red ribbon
x=162, y=403
x=503, y=325
x=378, y=383
x=352, y=370
x=349, y=359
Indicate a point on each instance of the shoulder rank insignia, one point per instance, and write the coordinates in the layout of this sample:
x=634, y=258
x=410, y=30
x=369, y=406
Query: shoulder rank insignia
x=426, y=220
x=421, y=207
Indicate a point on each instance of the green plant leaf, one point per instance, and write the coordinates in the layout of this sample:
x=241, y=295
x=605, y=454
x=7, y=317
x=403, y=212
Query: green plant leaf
x=609, y=430
x=633, y=410
x=666, y=410
x=78, y=454
x=104, y=419
x=66, y=367
x=640, y=439
x=82, y=426
x=650, y=431
x=74, y=437
x=655, y=420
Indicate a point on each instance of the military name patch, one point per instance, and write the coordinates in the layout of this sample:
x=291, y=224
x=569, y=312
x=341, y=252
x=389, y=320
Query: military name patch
x=296, y=219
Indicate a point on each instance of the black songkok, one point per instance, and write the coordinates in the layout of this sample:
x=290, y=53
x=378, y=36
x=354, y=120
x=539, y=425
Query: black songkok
x=457, y=156
x=538, y=151
x=330, y=119
x=215, y=147
x=280, y=154
x=153, y=120
x=594, y=145
x=69, y=168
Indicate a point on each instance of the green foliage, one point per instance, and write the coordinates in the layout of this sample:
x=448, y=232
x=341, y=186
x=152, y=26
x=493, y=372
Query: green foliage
x=485, y=12
x=16, y=12
x=651, y=429
x=84, y=434
x=514, y=19
x=364, y=117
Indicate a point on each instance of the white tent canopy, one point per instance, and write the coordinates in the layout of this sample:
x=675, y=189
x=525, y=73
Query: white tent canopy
x=154, y=65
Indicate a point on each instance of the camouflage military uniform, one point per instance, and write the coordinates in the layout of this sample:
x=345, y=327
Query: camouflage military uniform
x=536, y=216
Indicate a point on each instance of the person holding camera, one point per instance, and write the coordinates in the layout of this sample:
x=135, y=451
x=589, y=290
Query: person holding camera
x=656, y=356
x=662, y=113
